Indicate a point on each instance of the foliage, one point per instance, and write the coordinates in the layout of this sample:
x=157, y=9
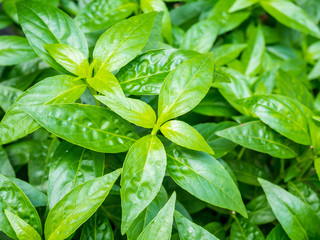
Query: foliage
x=160, y=119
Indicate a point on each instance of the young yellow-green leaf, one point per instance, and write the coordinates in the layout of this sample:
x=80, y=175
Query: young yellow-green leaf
x=283, y=114
x=59, y=89
x=201, y=36
x=101, y=14
x=133, y=110
x=122, y=42
x=143, y=172
x=145, y=74
x=184, y=135
x=242, y=229
x=252, y=57
x=259, y=137
x=291, y=15
x=242, y=4
x=189, y=230
x=159, y=6
x=97, y=227
x=226, y=53
x=13, y=198
x=44, y=24
x=106, y=83
x=15, y=50
x=296, y=217
x=204, y=177
x=70, y=58
x=22, y=229
x=88, y=126
x=181, y=90
x=161, y=226
x=78, y=206
x=277, y=233
x=70, y=166
x=317, y=166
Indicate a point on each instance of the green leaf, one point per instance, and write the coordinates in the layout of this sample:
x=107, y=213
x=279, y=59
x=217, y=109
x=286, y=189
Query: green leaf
x=181, y=90
x=145, y=74
x=201, y=36
x=38, y=166
x=220, y=145
x=148, y=214
x=106, y=132
x=78, y=206
x=106, y=83
x=189, y=230
x=44, y=24
x=259, y=137
x=122, y=42
x=259, y=211
x=70, y=58
x=133, y=110
x=242, y=4
x=143, y=172
x=226, y=53
x=227, y=21
x=159, y=6
x=161, y=226
x=22, y=229
x=5, y=165
x=184, y=135
x=70, y=166
x=102, y=14
x=291, y=15
x=305, y=193
x=37, y=198
x=296, y=217
x=237, y=88
x=252, y=57
x=8, y=96
x=242, y=229
x=15, y=50
x=97, y=228
x=283, y=114
x=204, y=177
x=59, y=89
x=247, y=172
x=12, y=198
x=277, y=233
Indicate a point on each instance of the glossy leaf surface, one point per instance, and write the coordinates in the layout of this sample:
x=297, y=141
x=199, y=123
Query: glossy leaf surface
x=257, y=136
x=204, y=177
x=58, y=89
x=111, y=51
x=77, y=206
x=296, y=217
x=106, y=132
x=180, y=132
x=44, y=24
x=143, y=171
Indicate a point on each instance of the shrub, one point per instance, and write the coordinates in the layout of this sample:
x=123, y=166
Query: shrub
x=157, y=120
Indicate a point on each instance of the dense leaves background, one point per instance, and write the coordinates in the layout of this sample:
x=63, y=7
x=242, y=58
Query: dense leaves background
x=152, y=119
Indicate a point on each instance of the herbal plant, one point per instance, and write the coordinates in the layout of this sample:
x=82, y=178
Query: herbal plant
x=160, y=120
